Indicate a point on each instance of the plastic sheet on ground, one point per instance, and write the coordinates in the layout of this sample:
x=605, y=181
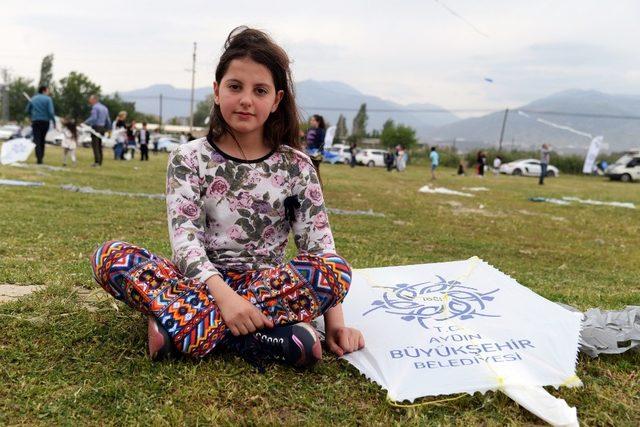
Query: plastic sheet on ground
x=549, y=200
x=609, y=331
x=570, y=200
x=475, y=189
x=462, y=327
x=369, y=212
x=443, y=190
x=16, y=150
x=627, y=205
x=20, y=183
x=91, y=190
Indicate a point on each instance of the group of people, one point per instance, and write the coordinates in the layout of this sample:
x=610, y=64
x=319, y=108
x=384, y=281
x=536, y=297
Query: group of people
x=42, y=113
x=397, y=157
x=128, y=138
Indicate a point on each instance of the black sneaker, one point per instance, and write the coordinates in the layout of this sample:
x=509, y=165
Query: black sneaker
x=295, y=345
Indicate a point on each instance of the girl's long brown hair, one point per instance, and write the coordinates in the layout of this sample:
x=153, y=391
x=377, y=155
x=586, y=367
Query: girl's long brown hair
x=282, y=126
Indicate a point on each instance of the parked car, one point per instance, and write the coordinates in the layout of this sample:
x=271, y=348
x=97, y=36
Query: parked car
x=168, y=144
x=54, y=137
x=370, y=157
x=527, y=167
x=626, y=168
x=84, y=138
x=340, y=153
x=10, y=131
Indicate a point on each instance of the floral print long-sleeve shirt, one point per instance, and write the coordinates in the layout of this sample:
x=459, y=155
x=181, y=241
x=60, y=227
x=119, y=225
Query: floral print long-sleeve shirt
x=227, y=213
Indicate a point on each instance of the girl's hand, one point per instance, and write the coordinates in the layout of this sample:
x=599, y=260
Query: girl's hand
x=343, y=340
x=240, y=316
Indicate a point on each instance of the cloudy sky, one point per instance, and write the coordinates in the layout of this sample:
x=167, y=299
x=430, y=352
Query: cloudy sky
x=404, y=50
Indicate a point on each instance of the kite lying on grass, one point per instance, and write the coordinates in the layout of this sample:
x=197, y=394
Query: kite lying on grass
x=462, y=327
x=443, y=190
x=16, y=150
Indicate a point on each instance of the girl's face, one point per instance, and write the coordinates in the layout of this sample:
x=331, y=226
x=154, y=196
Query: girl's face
x=313, y=122
x=246, y=95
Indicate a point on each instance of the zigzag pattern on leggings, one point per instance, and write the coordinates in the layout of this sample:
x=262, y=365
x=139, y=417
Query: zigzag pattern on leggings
x=294, y=292
x=330, y=274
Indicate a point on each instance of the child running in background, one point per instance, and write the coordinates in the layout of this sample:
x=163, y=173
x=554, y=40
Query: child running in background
x=70, y=141
x=233, y=197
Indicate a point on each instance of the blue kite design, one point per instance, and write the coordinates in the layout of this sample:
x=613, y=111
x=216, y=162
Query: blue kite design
x=438, y=301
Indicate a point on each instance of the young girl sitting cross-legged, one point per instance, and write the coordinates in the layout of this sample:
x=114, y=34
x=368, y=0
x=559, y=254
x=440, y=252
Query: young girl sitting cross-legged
x=233, y=197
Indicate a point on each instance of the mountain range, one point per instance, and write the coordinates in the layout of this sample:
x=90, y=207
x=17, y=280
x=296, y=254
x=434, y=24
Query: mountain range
x=527, y=126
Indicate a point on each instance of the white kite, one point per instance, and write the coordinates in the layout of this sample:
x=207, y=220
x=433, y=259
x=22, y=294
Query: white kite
x=442, y=190
x=462, y=327
x=16, y=150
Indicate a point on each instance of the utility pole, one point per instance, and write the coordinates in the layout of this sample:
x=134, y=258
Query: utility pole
x=193, y=82
x=160, y=115
x=5, y=95
x=504, y=123
x=454, y=145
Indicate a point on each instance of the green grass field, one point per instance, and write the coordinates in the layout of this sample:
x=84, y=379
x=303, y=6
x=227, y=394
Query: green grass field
x=69, y=355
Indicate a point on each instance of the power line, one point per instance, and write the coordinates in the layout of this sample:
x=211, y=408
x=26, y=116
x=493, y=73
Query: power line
x=465, y=20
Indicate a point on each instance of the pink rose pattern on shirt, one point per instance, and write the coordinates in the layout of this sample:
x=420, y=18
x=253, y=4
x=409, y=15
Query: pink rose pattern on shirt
x=230, y=215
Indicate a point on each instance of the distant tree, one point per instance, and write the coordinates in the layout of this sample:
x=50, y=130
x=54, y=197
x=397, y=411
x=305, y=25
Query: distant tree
x=393, y=135
x=387, y=136
x=341, y=128
x=202, y=111
x=115, y=104
x=46, y=71
x=71, y=96
x=359, y=128
x=17, y=101
x=374, y=134
x=406, y=135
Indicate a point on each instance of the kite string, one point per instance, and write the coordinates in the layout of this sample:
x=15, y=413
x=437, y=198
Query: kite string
x=431, y=402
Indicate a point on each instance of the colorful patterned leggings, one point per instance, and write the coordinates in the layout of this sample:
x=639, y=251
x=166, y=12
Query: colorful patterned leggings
x=298, y=291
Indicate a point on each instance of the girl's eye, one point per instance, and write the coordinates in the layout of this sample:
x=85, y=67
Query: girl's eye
x=234, y=87
x=262, y=91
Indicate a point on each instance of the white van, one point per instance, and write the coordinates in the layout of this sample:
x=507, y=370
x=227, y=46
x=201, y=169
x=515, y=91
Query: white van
x=626, y=168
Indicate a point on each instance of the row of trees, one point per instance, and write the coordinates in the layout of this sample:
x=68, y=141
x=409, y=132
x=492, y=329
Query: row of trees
x=69, y=94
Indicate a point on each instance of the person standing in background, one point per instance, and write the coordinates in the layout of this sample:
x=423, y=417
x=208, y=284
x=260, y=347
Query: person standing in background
x=497, y=162
x=131, y=139
x=70, y=141
x=143, y=142
x=481, y=159
x=119, y=134
x=544, y=162
x=40, y=110
x=99, y=120
x=435, y=161
x=389, y=158
x=353, y=151
x=401, y=158
x=315, y=141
